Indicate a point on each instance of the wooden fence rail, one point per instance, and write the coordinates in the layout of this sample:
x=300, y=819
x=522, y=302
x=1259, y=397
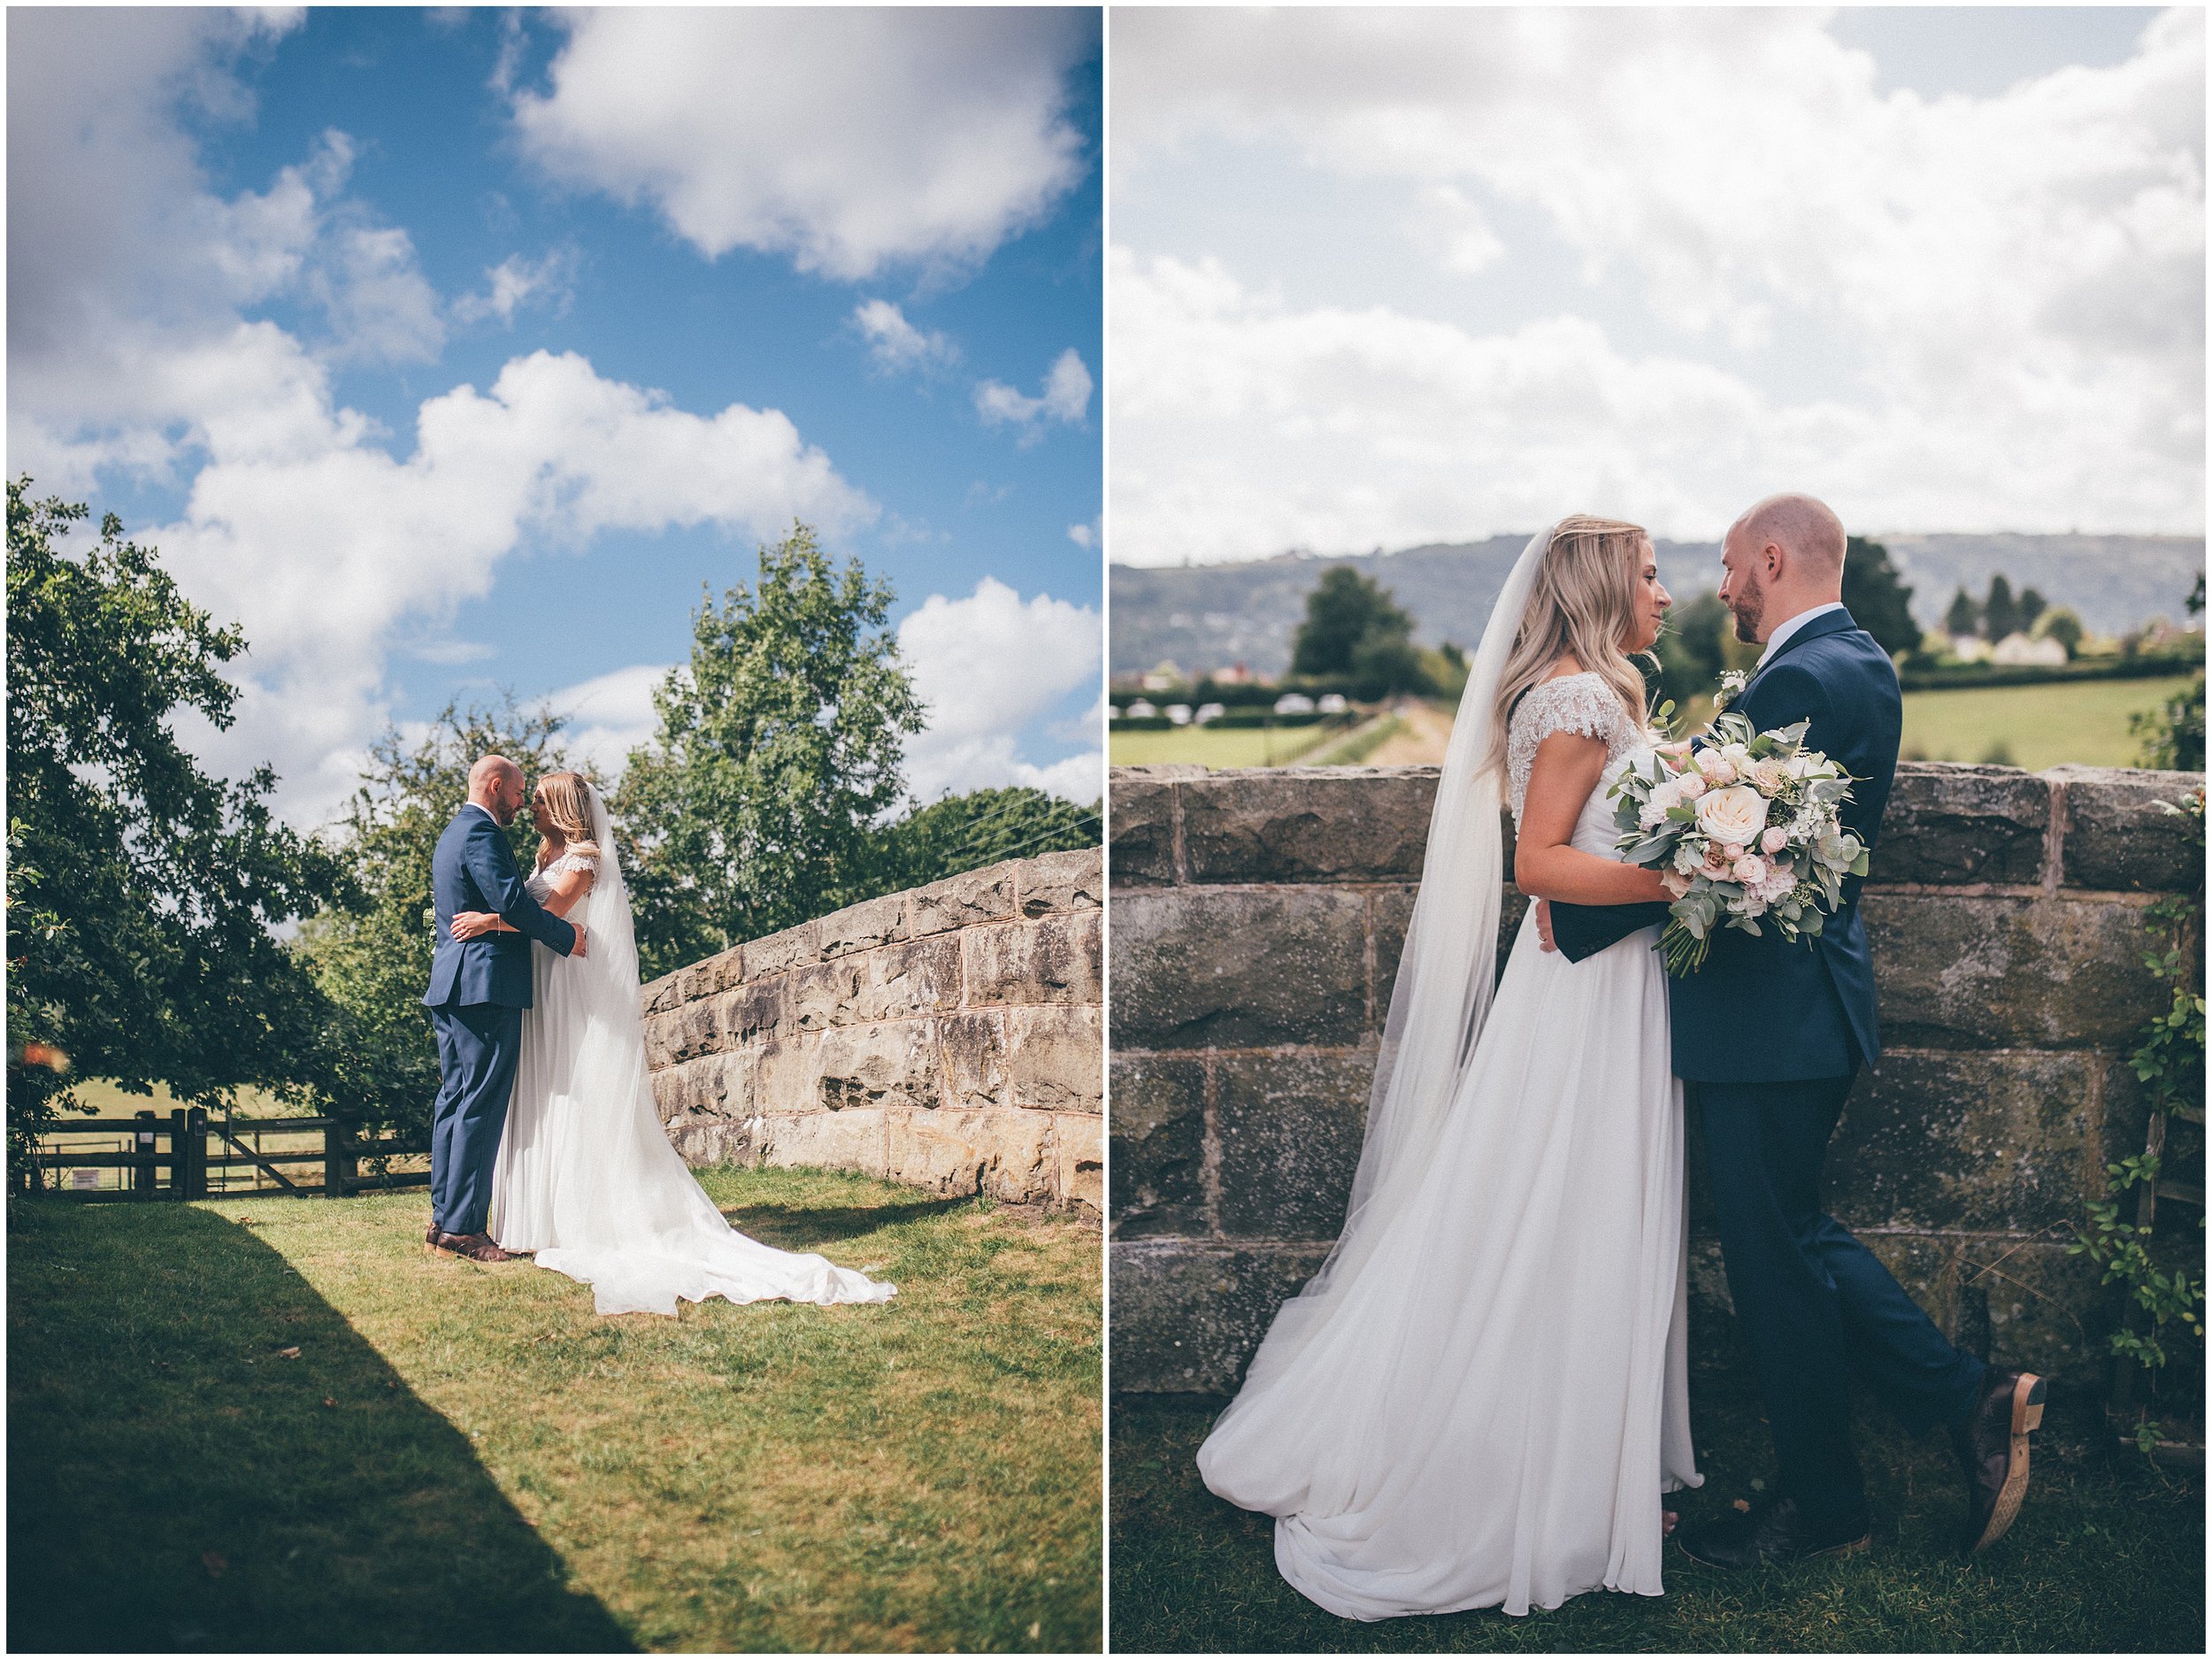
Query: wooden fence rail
x=194, y=1145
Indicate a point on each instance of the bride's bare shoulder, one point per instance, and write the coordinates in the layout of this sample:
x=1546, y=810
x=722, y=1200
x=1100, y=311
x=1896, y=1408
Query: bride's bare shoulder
x=1561, y=668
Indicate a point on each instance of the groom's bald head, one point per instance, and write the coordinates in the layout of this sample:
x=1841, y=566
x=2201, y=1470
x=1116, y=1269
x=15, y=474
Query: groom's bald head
x=495, y=785
x=1784, y=556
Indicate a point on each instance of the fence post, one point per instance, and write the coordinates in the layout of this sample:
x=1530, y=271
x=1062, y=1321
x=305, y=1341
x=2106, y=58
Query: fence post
x=142, y=1171
x=337, y=1163
x=177, y=1179
x=196, y=1141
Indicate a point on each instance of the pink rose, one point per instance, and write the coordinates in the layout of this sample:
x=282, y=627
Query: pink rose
x=1675, y=882
x=1774, y=839
x=1731, y=852
x=1715, y=766
x=1716, y=866
x=1750, y=870
x=1689, y=786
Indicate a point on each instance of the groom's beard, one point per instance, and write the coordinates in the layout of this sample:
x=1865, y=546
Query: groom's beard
x=1748, y=607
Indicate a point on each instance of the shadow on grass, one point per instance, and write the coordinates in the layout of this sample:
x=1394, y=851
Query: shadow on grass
x=2107, y=1556
x=818, y=1225
x=176, y=1481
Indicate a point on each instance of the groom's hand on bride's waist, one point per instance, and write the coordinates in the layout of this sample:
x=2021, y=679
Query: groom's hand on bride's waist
x=1543, y=924
x=577, y=949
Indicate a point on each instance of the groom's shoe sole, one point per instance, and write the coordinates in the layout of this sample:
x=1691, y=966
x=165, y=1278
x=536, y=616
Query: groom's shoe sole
x=2029, y=1393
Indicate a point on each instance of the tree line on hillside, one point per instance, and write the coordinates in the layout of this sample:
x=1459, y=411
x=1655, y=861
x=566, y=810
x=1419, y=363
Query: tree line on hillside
x=147, y=898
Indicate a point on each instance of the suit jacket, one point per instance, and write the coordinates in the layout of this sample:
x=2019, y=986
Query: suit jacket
x=475, y=868
x=1763, y=1009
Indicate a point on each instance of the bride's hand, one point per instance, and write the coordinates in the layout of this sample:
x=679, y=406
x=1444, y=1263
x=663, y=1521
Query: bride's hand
x=467, y=924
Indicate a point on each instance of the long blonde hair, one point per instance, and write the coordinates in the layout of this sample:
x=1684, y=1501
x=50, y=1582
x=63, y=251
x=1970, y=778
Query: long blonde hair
x=566, y=799
x=1583, y=605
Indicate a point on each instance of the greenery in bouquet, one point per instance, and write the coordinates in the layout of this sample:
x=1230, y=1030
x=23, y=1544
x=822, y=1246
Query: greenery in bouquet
x=1744, y=826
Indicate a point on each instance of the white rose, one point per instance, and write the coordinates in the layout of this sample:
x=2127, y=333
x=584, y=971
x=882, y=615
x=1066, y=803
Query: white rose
x=1734, y=815
x=1767, y=773
x=1736, y=756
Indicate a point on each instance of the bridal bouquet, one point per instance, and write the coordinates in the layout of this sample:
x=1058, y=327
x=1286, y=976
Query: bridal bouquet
x=1743, y=826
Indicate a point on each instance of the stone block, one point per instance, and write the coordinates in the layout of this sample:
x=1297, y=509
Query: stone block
x=776, y=953
x=1141, y=824
x=692, y=1030
x=895, y=1063
x=661, y=1032
x=656, y=996
x=862, y=927
x=951, y=1151
x=1989, y=1140
x=852, y=1139
x=2117, y=834
x=1186, y=1314
x=922, y=977
x=1071, y=879
x=1971, y=972
x=1947, y=822
x=1308, y=823
x=822, y=995
x=747, y=1013
x=1079, y=1140
x=720, y=1086
x=974, y=1047
x=1290, y=1129
x=1158, y=1131
x=1235, y=967
x=983, y=896
x=1053, y=959
x=1055, y=1056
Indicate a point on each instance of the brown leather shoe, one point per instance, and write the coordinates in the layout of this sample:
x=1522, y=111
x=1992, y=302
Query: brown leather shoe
x=1992, y=1443
x=478, y=1247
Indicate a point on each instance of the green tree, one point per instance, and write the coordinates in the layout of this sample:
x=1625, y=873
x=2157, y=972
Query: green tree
x=2063, y=624
x=2032, y=605
x=2173, y=734
x=1691, y=648
x=963, y=833
x=1877, y=597
x=2000, y=613
x=370, y=950
x=779, y=752
x=143, y=893
x=1354, y=631
x=1963, y=617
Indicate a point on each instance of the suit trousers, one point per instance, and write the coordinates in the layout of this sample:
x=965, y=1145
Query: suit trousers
x=1815, y=1307
x=479, y=1045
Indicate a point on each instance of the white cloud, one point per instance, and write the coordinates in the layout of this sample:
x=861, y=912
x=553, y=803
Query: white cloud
x=1084, y=536
x=896, y=344
x=131, y=346
x=2008, y=289
x=1065, y=397
x=610, y=715
x=987, y=667
x=518, y=280
x=848, y=139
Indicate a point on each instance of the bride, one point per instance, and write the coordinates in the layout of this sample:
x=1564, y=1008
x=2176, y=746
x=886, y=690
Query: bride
x=1480, y=1398
x=586, y=1177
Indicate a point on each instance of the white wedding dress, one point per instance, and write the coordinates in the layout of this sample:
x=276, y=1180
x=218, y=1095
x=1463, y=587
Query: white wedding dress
x=586, y=1177
x=1481, y=1398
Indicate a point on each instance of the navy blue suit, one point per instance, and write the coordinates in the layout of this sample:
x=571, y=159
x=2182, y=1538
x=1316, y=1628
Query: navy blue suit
x=478, y=991
x=1771, y=1035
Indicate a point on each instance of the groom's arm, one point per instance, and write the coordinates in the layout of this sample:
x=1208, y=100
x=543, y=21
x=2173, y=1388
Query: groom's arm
x=501, y=883
x=1580, y=931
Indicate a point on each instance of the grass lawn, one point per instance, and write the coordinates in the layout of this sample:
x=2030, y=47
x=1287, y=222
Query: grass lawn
x=2034, y=726
x=2108, y=1555
x=465, y=1456
x=1219, y=746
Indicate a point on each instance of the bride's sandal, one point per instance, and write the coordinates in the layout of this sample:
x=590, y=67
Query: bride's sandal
x=1667, y=1519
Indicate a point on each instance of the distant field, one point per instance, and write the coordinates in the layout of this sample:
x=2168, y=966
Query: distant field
x=1218, y=746
x=2035, y=725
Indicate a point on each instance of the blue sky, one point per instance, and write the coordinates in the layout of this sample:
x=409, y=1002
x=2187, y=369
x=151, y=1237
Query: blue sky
x=697, y=272
x=1393, y=275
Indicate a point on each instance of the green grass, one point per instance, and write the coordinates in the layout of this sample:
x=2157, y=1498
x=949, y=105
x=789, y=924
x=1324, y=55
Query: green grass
x=465, y=1457
x=2036, y=727
x=2107, y=1556
x=1219, y=746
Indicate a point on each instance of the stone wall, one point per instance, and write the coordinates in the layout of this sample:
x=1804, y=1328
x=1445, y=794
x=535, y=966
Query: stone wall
x=949, y=1037
x=1257, y=918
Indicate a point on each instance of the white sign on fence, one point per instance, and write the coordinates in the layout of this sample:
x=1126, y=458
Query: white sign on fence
x=84, y=1181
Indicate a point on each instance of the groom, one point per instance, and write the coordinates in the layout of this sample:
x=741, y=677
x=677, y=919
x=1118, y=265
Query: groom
x=1770, y=1034
x=479, y=988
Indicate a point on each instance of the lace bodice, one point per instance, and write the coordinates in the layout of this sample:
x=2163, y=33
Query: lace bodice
x=1580, y=702
x=540, y=882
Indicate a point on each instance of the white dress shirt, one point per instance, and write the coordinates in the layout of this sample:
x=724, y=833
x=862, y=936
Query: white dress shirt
x=1776, y=640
